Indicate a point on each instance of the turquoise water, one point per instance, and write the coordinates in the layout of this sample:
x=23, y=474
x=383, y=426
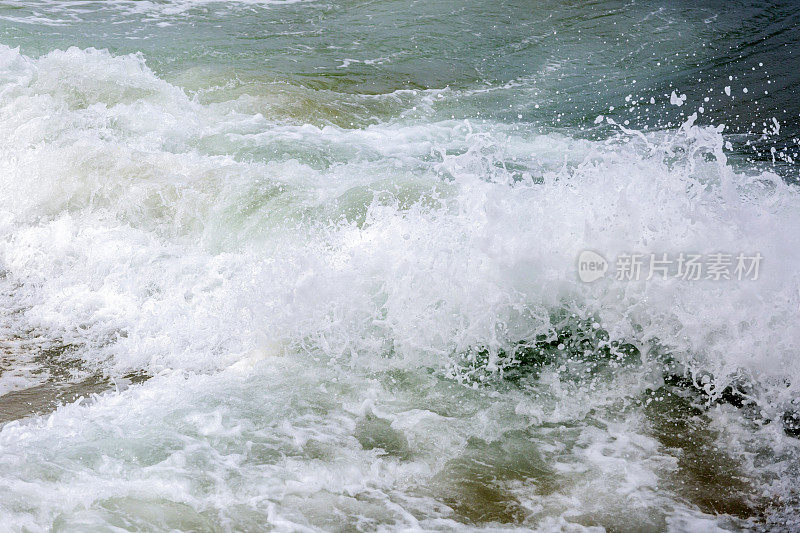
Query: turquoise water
x=312, y=266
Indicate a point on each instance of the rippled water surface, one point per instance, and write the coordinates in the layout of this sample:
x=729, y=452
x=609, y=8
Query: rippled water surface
x=311, y=266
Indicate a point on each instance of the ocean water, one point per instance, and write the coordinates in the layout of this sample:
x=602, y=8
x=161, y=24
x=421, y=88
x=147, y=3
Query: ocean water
x=313, y=265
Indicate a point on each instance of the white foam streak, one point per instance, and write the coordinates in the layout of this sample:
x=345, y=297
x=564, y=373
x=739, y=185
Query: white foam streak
x=62, y=13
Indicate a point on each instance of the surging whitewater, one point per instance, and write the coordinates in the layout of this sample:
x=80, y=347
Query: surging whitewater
x=328, y=316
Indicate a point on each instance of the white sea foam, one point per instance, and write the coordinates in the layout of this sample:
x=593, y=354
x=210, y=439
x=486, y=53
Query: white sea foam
x=153, y=232
x=285, y=446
